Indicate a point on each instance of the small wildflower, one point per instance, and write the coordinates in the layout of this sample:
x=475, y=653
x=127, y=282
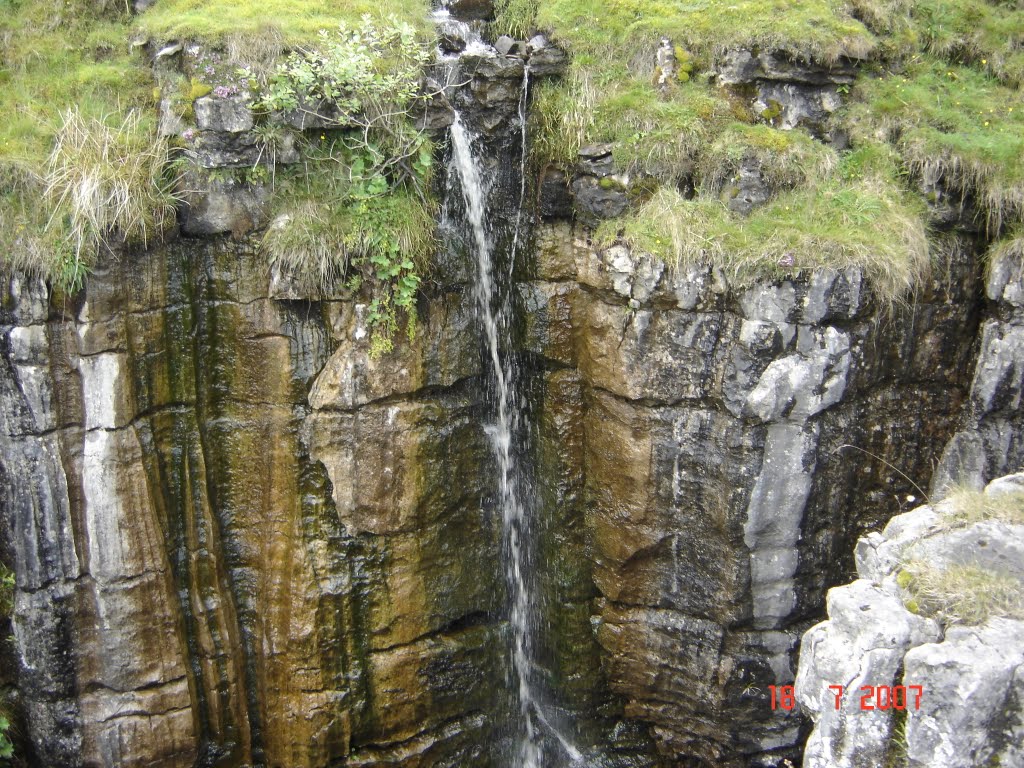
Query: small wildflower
x=984, y=61
x=189, y=134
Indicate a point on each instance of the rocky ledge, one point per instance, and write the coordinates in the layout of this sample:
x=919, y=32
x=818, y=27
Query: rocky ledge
x=961, y=686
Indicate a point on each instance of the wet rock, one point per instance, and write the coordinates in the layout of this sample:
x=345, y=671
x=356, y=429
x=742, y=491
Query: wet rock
x=989, y=441
x=555, y=195
x=789, y=92
x=596, y=159
x=713, y=450
x=471, y=10
x=546, y=58
x=507, y=46
x=744, y=66
x=225, y=150
x=596, y=199
x=213, y=207
x=179, y=552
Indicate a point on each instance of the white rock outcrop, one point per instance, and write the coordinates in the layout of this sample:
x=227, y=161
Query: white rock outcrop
x=963, y=688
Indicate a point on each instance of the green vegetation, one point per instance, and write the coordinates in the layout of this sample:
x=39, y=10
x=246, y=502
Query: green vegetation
x=248, y=29
x=81, y=163
x=6, y=746
x=954, y=123
x=980, y=32
x=939, y=88
x=616, y=31
x=966, y=594
x=362, y=197
x=73, y=96
x=834, y=224
x=6, y=591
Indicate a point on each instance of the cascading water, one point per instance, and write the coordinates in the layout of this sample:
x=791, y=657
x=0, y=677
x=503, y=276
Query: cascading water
x=504, y=431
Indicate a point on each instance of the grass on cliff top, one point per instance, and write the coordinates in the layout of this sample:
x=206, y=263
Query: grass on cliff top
x=64, y=67
x=987, y=34
x=967, y=594
x=953, y=123
x=600, y=30
x=859, y=216
x=275, y=22
x=969, y=506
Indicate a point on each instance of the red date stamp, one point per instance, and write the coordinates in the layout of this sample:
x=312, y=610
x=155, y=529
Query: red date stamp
x=882, y=697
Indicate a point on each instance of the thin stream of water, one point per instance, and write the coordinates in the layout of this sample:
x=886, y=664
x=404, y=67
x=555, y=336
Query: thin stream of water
x=507, y=424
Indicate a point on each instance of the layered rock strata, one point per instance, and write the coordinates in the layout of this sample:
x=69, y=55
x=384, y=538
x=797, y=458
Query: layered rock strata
x=724, y=446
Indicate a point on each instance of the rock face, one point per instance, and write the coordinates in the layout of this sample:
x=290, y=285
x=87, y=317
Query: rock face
x=240, y=540
x=990, y=438
x=714, y=488
x=234, y=534
x=967, y=710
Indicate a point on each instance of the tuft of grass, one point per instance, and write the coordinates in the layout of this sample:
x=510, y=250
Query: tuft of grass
x=320, y=231
x=247, y=28
x=867, y=221
x=964, y=594
x=517, y=18
x=951, y=124
x=970, y=506
x=104, y=180
x=975, y=31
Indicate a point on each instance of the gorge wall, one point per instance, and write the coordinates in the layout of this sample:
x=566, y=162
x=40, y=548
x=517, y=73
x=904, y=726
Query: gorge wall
x=241, y=540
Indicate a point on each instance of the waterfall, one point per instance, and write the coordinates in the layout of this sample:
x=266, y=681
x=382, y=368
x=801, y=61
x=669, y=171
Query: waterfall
x=508, y=424
x=522, y=165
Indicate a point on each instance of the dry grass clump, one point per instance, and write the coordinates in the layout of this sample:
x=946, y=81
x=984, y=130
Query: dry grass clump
x=967, y=593
x=108, y=178
x=961, y=594
x=969, y=506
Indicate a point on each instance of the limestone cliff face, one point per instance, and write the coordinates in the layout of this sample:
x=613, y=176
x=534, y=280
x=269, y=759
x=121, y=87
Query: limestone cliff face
x=708, y=429
x=237, y=540
x=240, y=540
x=965, y=684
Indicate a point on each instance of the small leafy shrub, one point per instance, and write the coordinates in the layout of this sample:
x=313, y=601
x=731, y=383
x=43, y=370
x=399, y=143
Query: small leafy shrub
x=361, y=199
x=6, y=746
x=6, y=591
